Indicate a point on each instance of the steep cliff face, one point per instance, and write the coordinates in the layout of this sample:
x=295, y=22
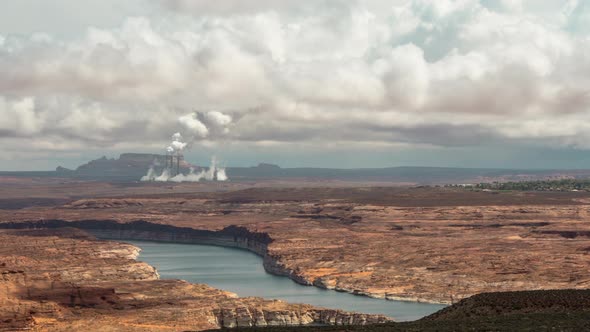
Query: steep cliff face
x=231, y=236
x=44, y=273
x=249, y=317
x=424, y=244
x=63, y=279
x=273, y=265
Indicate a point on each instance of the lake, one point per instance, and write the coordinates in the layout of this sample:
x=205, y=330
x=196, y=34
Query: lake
x=241, y=272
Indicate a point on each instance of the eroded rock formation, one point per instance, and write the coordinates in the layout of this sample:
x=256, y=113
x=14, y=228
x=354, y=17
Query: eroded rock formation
x=66, y=280
x=425, y=244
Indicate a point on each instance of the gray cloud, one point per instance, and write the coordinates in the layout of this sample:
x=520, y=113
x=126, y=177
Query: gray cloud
x=437, y=73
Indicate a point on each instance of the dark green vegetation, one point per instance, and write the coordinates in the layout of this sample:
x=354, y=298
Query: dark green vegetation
x=555, y=185
x=554, y=310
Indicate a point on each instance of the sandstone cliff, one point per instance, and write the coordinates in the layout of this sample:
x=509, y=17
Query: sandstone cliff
x=64, y=280
x=431, y=245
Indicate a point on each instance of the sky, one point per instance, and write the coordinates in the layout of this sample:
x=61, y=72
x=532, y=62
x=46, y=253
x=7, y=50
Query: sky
x=322, y=83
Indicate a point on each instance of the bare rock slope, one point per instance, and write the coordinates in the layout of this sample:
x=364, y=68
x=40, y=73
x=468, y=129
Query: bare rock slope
x=66, y=280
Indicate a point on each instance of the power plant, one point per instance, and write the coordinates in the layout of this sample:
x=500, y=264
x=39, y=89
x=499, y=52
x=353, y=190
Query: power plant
x=171, y=171
x=172, y=166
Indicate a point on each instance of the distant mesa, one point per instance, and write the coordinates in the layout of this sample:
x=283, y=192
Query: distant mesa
x=63, y=170
x=268, y=166
x=131, y=167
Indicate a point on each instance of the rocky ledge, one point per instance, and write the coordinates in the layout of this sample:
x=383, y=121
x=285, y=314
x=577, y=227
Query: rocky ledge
x=65, y=279
x=231, y=236
x=419, y=244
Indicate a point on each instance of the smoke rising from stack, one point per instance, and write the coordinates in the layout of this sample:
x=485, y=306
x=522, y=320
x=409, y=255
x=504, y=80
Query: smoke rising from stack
x=194, y=125
x=197, y=126
x=213, y=173
x=221, y=176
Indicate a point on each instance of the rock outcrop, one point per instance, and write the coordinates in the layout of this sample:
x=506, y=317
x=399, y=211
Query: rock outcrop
x=256, y=316
x=425, y=244
x=63, y=279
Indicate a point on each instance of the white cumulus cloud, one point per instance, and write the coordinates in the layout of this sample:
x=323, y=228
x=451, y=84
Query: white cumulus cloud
x=443, y=73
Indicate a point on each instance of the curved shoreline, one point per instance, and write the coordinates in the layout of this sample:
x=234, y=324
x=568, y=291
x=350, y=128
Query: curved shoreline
x=64, y=279
x=231, y=237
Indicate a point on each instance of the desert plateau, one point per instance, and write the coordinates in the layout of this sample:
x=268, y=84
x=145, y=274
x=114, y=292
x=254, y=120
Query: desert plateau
x=425, y=244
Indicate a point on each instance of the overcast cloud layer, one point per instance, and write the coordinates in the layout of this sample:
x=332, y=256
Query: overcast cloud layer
x=332, y=75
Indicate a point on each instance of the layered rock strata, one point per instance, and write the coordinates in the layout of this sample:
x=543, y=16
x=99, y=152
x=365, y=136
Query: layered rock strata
x=66, y=280
x=422, y=244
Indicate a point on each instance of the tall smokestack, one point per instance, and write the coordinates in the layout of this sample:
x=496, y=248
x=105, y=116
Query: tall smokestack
x=178, y=165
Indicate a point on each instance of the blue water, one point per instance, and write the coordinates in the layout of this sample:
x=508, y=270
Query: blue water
x=241, y=272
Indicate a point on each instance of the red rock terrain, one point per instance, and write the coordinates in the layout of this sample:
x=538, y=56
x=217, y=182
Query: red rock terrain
x=426, y=244
x=65, y=280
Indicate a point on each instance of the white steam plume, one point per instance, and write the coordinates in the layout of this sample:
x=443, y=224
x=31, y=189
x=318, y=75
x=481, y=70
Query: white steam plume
x=198, y=125
x=194, y=125
x=177, y=144
x=221, y=175
x=210, y=174
x=165, y=176
x=150, y=176
x=213, y=173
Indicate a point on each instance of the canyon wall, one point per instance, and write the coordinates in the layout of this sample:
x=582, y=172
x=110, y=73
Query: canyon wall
x=63, y=279
x=231, y=236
